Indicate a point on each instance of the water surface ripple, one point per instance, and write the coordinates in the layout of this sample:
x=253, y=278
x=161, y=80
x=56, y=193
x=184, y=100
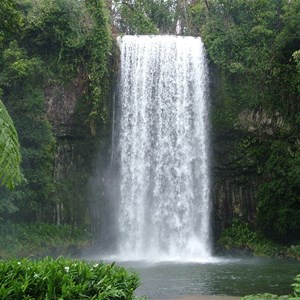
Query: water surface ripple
x=230, y=277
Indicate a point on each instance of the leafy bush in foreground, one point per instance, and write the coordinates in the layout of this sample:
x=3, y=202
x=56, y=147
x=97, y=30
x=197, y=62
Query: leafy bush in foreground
x=65, y=279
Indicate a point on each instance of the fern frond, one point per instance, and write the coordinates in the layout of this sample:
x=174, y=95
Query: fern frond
x=10, y=158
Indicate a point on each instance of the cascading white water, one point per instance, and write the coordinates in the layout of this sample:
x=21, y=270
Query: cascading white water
x=163, y=145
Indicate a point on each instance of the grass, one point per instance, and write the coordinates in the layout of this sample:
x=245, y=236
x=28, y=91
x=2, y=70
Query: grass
x=39, y=240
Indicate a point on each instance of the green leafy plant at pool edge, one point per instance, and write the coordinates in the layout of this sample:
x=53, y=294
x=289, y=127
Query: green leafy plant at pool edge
x=296, y=286
x=242, y=236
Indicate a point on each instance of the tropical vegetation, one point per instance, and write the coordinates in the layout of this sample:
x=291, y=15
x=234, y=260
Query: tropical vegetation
x=38, y=240
x=49, y=48
x=10, y=158
x=254, y=47
x=244, y=237
x=51, y=51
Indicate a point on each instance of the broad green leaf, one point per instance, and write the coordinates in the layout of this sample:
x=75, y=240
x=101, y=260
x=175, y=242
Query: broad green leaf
x=10, y=158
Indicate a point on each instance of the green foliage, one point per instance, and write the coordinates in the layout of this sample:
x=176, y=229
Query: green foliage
x=152, y=17
x=296, y=57
x=10, y=21
x=296, y=287
x=251, y=43
x=22, y=83
x=293, y=252
x=58, y=31
x=38, y=240
x=10, y=157
x=99, y=68
x=254, y=49
x=10, y=173
x=241, y=236
x=136, y=18
x=17, y=67
x=243, y=29
x=288, y=39
x=280, y=192
x=65, y=279
x=275, y=161
x=72, y=37
x=53, y=44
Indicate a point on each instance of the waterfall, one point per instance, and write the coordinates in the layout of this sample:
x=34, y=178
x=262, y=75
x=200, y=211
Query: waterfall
x=164, y=208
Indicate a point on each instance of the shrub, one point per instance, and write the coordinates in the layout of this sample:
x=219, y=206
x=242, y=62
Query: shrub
x=240, y=236
x=65, y=279
x=296, y=287
x=293, y=252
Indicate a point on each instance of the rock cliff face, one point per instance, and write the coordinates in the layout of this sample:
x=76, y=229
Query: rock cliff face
x=261, y=123
x=61, y=103
x=67, y=109
x=235, y=176
x=233, y=188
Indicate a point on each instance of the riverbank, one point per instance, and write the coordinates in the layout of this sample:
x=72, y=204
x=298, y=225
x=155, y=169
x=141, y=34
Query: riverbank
x=40, y=240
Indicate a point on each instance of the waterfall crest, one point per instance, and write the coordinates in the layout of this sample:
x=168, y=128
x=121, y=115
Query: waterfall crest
x=164, y=209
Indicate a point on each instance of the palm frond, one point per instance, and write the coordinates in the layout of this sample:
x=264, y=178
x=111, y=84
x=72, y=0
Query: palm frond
x=10, y=158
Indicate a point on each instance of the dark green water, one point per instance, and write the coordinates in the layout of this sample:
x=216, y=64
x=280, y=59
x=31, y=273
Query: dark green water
x=227, y=277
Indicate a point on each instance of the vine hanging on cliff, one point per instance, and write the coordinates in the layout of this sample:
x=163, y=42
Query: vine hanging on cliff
x=101, y=49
